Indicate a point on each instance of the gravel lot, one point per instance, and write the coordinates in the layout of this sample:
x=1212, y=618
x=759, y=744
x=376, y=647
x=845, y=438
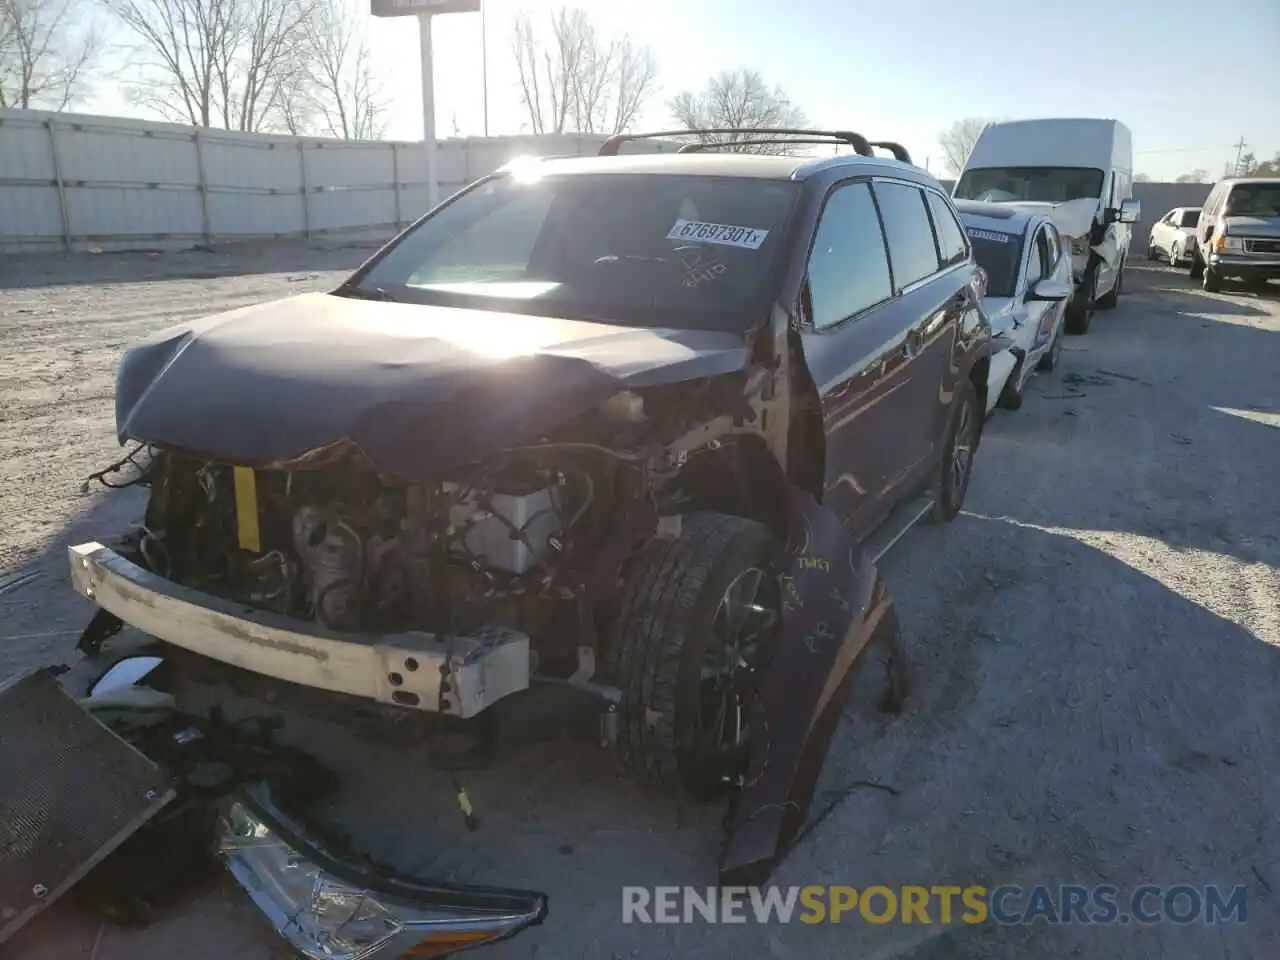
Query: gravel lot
x=1094, y=646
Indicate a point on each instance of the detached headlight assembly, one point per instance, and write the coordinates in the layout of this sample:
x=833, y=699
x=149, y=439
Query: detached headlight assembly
x=325, y=918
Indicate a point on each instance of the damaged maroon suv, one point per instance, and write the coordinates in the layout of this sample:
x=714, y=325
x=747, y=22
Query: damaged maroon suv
x=626, y=423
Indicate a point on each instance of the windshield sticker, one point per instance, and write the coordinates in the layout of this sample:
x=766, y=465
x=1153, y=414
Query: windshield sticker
x=991, y=235
x=725, y=234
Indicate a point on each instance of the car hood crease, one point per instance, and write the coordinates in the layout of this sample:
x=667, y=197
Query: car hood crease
x=417, y=388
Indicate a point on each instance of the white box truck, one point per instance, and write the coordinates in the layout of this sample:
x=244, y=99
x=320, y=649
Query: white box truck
x=1080, y=173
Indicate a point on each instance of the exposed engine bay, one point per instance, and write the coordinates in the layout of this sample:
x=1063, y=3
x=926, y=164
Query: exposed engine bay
x=530, y=538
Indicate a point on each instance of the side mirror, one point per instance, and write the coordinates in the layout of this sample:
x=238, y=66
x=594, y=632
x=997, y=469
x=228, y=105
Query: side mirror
x=1050, y=289
x=1130, y=211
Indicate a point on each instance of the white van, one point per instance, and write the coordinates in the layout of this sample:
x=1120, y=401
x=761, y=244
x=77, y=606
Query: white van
x=1080, y=173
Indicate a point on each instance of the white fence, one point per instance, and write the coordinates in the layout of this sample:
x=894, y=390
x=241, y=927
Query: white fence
x=72, y=182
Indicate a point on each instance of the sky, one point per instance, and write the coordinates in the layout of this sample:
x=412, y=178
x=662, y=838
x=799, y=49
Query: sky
x=1189, y=77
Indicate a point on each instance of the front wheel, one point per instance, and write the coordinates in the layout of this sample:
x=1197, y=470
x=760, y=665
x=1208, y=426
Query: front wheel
x=695, y=610
x=1197, y=267
x=1175, y=256
x=1080, y=309
x=1210, y=279
x=956, y=465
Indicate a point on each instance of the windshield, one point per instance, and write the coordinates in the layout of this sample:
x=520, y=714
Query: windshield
x=1043, y=184
x=655, y=250
x=1190, y=218
x=999, y=254
x=1254, y=200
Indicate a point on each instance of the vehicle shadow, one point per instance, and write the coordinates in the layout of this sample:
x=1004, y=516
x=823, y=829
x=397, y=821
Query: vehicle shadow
x=32, y=271
x=1073, y=720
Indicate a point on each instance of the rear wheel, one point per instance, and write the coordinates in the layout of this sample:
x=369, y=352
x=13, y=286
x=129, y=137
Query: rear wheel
x=695, y=610
x=1197, y=267
x=956, y=465
x=1153, y=252
x=1175, y=256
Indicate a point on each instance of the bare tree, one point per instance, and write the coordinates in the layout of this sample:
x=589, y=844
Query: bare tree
x=1142, y=178
x=335, y=90
x=577, y=80
x=1195, y=176
x=958, y=142
x=214, y=62
x=46, y=50
x=740, y=99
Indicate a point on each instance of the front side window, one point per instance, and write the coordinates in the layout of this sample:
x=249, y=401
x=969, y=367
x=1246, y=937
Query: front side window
x=912, y=250
x=655, y=250
x=848, y=269
x=1037, y=184
x=1042, y=261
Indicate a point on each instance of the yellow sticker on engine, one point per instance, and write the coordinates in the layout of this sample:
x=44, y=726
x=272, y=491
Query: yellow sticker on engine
x=247, y=509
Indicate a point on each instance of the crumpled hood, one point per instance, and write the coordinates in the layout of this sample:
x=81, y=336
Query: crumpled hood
x=1075, y=218
x=417, y=388
x=1000, y=313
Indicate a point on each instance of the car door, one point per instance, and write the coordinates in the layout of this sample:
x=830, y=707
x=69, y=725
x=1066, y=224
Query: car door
x=855, y=338
x=1160, y=232
x=927, y=251
x=1037, y=316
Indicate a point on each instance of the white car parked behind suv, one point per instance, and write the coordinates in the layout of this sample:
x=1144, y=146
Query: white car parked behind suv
x=1173, y=236
x=1029, y=282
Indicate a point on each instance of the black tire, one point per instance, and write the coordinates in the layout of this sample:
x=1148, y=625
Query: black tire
x=1053, y=359
x=1210, y=279
x=1153, y=253
x=1175, y=255
x=665, y=630
x=963, y=434
x=1197, y=266
x=1080, y=309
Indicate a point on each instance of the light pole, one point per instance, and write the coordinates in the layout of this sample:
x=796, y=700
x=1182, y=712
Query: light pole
x=425, y=10
x=429, y=110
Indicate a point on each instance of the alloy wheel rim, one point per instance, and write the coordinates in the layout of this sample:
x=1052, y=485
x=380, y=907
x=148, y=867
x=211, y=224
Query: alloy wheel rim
x=747, y=612
x=962, y=453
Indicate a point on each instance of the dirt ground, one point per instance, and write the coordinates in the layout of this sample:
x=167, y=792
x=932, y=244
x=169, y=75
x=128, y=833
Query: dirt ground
x=1094, y=646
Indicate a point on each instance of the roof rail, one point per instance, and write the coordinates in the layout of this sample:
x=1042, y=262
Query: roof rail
x=898, y=150
x=856, y=140
x=699, y=147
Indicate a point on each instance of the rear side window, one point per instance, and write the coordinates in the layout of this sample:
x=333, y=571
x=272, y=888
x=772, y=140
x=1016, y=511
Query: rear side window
x=912, y=252
x=1190, y=218
x=848, y=271
x=951, y=243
